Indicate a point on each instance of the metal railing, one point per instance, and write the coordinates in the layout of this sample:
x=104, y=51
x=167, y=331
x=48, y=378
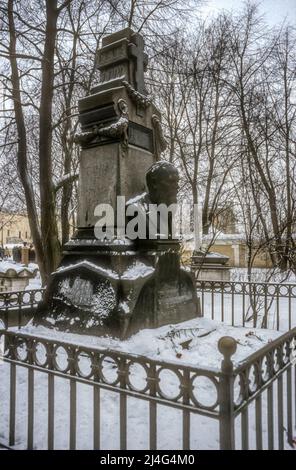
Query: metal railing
x=17, y=307
x=264, y=397
x=118, y=384
x=257, y=304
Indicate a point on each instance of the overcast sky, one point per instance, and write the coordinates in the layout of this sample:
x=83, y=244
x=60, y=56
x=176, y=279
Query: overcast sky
x=276, y=10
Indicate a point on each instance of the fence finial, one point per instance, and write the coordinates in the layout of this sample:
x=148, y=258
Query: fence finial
x=227, y=346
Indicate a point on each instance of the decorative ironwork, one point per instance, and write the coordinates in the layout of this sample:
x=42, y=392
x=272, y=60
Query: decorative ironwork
x=241, y=302
x=17, y=299
x=17, y=307
x=241, y=288
x=264, y=367
x=230, y=391
x=114, y=369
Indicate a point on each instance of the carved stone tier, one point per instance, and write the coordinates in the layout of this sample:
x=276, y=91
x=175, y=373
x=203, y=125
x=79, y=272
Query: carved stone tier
x=122, y=55
x=105, y=288
x=121, y=134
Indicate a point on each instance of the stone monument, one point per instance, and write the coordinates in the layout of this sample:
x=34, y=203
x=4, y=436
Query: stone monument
x=210, y=266
x=120, y=285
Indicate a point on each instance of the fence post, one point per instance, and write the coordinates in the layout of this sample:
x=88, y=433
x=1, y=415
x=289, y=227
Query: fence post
x=227, y=347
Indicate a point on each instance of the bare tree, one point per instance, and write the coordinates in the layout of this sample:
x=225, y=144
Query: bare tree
x=51, y=59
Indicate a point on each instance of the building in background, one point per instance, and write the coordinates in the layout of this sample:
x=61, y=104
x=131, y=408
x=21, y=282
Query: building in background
x=14, y=229
x=225, y=220
x=15, y=277
x=235, y=247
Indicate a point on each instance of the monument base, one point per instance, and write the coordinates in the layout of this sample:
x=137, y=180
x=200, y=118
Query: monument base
x=210, y=266
x=117, y=288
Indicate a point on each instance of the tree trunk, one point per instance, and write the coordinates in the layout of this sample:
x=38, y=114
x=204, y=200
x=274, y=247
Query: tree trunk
x=206, y=219
x=22, y=157
x=267, y=185
x=65, y=202
x=67, y=144
x=289, y=220
x=47, y=195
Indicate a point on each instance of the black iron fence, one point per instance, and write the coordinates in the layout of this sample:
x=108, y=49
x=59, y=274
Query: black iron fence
x=264, y=393
x=16, y=308
x=63, y=395
x=257, y=304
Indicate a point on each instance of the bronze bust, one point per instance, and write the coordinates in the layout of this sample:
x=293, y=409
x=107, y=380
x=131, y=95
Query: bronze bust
x=162, y=181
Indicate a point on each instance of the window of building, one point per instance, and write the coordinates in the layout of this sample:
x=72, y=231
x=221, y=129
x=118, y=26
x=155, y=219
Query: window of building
x=8, y=233
x=20, y=234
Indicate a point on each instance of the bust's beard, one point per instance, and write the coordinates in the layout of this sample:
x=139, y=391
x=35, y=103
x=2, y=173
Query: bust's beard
x=161, y=198
x=170, y=200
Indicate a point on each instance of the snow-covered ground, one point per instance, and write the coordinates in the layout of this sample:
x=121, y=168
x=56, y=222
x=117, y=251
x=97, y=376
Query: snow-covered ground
x=163, y=344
